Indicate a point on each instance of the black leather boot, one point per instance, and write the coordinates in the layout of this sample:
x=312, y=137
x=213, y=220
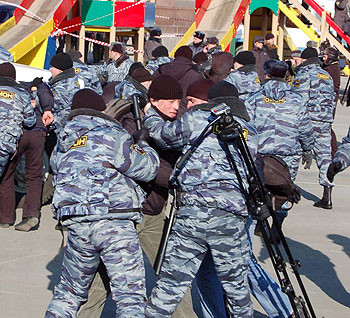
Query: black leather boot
x=326, y=201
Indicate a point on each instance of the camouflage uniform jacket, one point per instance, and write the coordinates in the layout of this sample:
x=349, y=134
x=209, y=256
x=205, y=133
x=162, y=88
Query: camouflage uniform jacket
x=196, y=48
x=5, y=56
x=316, y=87
x=88, y=75
x=153, y=65
x=115, y=71
x=245, y=79
x=207, y=179
x=63, y=87
x=126, y=89
x=281, y=119
x=95, y=164
x=16, y=111
x=343, y=153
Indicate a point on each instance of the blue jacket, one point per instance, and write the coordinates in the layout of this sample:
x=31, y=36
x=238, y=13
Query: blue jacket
x=63, y=87
x=207, y=179
x=95, y=163
x=16, y=112
x=343, y=153
x=281, y=119
x=245, y=79
x=317, y=89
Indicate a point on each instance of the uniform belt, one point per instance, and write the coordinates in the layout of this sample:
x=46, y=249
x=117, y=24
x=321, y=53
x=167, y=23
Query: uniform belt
x=124, y=210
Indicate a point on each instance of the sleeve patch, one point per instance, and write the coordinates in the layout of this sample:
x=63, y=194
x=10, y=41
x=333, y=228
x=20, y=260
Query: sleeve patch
x=257, y=80
x=268, y=100
x=245, y=133
x=138, y=149
x=81, y=142
x=323, y=76
x=7, y=95
x=296, y=83
x=77, y=70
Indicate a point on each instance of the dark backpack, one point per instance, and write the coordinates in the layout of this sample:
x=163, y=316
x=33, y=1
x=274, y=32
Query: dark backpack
x=278, y=179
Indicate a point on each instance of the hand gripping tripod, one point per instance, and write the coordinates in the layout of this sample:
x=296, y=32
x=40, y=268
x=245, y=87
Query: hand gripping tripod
x=258, y=201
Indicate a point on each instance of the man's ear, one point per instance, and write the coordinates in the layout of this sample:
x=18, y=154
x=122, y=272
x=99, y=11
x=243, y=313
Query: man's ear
x=154, y=102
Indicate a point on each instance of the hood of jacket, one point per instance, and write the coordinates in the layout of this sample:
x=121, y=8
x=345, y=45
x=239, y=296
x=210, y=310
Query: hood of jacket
x=69, y=73
x=89, y=120
x=274, y=88
x=221, y=66
x=177, y=68
x=8, y=81
x=236, y=105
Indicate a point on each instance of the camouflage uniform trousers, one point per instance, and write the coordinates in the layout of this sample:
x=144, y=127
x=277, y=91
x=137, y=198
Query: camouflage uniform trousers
x=293, y=164
x=116, y=243
x=322, y=150
x=150, y=233
x=4, y=158
x=196, y=229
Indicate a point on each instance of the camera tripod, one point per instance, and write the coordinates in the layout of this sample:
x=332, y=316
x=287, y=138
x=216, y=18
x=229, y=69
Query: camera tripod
x=258, y=201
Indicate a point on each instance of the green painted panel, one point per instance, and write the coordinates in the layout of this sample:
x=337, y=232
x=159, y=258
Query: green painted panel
x=270, y=4
x=94, y=9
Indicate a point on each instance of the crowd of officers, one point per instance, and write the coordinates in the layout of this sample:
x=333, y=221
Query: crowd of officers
x=111, y=179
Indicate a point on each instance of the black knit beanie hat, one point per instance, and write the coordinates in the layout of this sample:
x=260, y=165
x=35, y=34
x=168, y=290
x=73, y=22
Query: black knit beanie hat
x=200, y=88
x=245, y=58
x=275, y=68
x=141, y=75
x=309, y=53
x=184, y=51
x=160, y=51
x=8, y=70
x=223, y=89
x=62, y=61
x=165, y=87
x=87, y=98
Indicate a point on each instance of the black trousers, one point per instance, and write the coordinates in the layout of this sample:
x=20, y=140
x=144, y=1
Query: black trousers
x=31, y=145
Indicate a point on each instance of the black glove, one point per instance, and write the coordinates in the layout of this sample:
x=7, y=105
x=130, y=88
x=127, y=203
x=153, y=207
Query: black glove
x=36, y=82
x=333, y=169
x=296, y=195
x=141, y=135
x=307, y=159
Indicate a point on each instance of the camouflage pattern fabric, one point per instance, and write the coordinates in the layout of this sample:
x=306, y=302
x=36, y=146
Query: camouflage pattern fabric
x=343, y=153
x=153, y=65
x=211, y=213
x=282, y=121
x=196, y=229
x=16, y=111
x=322, y=150
x=5, y=56
x=113, y=73
x=125, y=89
x=317, y=89
x=196, y=48
x=246, y=80
x=89, y=76
x=217, y=185
x=63, y=87
x=94, y=164
x=117, y=244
